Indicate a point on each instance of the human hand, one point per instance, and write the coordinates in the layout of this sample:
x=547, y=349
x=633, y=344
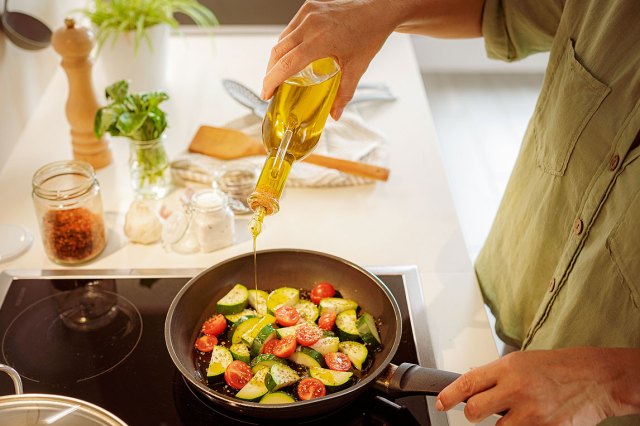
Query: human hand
x=553, y=387
x=352, y=32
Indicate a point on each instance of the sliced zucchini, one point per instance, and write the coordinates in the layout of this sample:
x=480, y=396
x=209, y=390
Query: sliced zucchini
x=256, y=388
x=368, y=331
x=280, y=376
x=333, y=380
x=241, y=327
x=282, y=296
x=258, y=301
x=337, y=305
x=246, y=313
x=251, y=333
x=277, y=398
x=265, y=361
x=283, y=332
x=308, y=310
x=307, y=357
x=220, y=358
x=234, y=301
x=240, y=351
x=346, y=323
x=326, y=345
x=264, y=335
x=357, y=352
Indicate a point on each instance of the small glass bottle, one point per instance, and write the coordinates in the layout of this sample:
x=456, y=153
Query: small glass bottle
x=212, y=220
x=66, y=196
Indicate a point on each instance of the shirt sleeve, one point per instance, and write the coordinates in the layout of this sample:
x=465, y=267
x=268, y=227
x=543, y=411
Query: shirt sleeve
x=514, y=29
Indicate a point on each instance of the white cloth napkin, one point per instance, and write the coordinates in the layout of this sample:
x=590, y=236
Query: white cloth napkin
x=349, y=138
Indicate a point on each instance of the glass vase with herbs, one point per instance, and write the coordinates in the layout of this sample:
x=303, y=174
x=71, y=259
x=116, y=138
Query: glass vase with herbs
x=138, y=117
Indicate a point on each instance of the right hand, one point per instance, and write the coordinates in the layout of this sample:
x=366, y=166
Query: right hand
x=350, y=31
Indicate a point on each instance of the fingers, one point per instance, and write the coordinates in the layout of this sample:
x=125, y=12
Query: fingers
x=290, y=63
x=281, y=48
x=488, y=402
x=348, y=83
x=467, y=385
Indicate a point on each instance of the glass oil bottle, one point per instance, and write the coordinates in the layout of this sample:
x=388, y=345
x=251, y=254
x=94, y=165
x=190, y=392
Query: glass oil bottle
x=290, y=131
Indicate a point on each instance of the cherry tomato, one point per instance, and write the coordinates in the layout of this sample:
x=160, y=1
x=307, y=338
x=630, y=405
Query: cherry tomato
x=268, y=347
x=337, y=361
x=287, y=316
x=285, y=347
x=327, y=320
x=322, y=290
x=307, y=334
x=310, y=388
x=206, y=343
x=237, y=374
x=214, y=325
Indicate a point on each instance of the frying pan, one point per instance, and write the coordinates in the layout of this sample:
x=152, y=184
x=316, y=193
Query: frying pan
x=299, y=269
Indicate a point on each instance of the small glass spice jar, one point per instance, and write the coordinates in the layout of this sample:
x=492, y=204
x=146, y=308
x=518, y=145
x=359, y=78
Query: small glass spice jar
x=66, y=196
x=212, y=220
x=237, y=180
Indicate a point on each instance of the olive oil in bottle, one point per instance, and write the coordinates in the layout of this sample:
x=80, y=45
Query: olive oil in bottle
x=290, y=131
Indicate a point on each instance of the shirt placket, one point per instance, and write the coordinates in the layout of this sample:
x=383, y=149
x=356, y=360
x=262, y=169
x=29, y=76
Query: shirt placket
x=594, y=200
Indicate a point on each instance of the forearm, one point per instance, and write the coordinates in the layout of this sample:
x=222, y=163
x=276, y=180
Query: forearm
x=440, y=18
x=625, y=379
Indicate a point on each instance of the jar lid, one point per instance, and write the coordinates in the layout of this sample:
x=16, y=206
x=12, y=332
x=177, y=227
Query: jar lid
x=14, y=240
x=208, y=200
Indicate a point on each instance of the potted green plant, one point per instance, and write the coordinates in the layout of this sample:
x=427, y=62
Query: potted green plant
x=138, y=117
x=133, y=36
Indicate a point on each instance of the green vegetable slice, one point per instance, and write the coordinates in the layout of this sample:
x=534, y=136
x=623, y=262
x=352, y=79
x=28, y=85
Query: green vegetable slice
x=233, y=302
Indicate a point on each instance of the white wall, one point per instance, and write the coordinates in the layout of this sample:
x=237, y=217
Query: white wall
x=25, y=74
x=468, y=56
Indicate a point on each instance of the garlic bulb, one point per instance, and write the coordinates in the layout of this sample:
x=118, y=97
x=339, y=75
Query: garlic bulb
x=142, y=224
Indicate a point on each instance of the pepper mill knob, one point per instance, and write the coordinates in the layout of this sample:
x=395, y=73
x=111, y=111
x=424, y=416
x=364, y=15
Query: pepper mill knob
x=74, y=44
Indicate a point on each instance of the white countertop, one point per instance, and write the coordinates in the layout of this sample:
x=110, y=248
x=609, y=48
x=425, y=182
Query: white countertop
x=409, y=220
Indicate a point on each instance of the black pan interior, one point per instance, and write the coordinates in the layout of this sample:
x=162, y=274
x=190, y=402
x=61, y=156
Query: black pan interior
x=277, y=268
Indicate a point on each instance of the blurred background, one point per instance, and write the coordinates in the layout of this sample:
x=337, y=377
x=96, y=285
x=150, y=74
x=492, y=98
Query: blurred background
x=480, y=107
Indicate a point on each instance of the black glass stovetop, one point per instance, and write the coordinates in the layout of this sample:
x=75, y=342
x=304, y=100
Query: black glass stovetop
x=117, y=359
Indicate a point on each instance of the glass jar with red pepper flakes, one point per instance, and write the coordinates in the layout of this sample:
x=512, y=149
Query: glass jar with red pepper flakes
x=66, y=195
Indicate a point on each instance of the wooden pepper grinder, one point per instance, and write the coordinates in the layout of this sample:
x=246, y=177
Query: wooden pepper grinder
x=74, y=44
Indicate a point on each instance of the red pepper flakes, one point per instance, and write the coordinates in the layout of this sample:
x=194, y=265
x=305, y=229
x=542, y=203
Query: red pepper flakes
x=73, y=235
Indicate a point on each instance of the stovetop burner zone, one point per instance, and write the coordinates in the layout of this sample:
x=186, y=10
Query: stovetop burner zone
x=147, y=378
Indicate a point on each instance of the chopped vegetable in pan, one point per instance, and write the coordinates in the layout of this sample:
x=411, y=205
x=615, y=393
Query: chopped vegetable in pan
x=286, y=345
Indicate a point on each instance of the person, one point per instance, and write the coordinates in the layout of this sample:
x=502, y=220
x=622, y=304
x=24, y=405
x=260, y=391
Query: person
x=561, y=266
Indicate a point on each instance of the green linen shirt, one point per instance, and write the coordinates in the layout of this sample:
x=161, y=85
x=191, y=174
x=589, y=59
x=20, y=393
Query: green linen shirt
x=561, y=265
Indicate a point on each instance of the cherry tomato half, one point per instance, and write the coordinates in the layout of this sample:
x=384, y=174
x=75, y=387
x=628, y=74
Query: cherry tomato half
x=327, y=320
x=285, y=347
x=310, y=388
x=287, y=316
x=206, y=343
x=322, y=290
x=214, y=325
x=337, y=361
x=237, y=374
x=307, y=334
x=268, y=347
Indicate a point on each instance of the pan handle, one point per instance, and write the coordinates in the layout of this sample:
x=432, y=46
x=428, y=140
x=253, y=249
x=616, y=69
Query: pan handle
x=410, y=379
x=17, y=382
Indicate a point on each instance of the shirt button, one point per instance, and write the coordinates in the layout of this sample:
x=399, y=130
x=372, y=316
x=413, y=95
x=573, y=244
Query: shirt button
x=578, y=226
x=613, y=163
x=552, y=285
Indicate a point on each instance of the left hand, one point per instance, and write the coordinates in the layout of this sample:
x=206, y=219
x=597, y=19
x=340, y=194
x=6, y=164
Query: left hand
x=551, y=387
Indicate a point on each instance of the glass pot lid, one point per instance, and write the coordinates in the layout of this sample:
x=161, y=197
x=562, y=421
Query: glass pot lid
x=45, y=409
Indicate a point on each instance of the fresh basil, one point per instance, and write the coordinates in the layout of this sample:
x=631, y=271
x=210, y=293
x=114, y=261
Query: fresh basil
x=136, y=115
